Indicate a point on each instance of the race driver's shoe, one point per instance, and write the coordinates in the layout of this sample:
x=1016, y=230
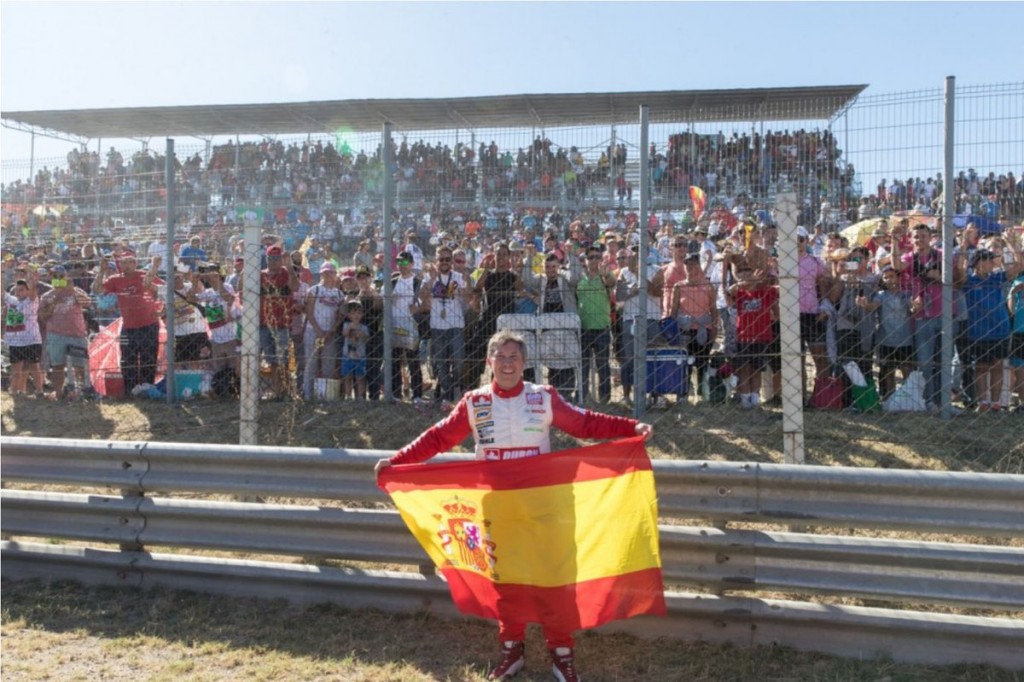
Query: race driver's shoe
x=563, y=666
x=513, y=659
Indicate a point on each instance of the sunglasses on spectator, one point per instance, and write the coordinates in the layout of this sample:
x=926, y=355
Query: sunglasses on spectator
x=679, y=245
x=594, y=257
x=445, y=260
x=273, y=257
x=459, y=262
x=404, y=262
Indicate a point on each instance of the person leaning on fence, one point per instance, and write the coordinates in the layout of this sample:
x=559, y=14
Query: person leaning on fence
x=988, y=322
x=191, y=336
x=373, y=317
x=855, y=320
x=21, y=334
x=921, y=273
x=221, y=307
x=638, y=307
x=67, y=335
x=594, y=298
x=277, y=286
x=894, y=334
x=449, y=297
x=323, y=314
x=696, y=315
x=517, y=426
x=354, y=337
x=757, y=306
x=409, y=298
x=814, y=284
x=556, y=293
x=299, y=322
x=1015, y=304
x=140, y=331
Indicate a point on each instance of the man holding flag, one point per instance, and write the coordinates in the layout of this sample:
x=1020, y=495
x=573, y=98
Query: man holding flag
x=524, y=535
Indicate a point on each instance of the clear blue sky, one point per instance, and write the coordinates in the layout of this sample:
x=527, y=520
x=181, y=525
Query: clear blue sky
x=109, y=54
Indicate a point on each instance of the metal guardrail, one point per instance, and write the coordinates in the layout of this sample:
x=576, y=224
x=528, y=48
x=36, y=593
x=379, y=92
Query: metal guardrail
x=983, y=576
x=897, y=499
x=725, y=560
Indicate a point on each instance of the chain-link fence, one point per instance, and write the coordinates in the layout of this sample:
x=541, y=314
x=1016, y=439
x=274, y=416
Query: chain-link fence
x=757, y=325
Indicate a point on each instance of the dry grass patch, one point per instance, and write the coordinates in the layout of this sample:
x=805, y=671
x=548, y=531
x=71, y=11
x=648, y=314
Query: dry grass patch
x=65, y=631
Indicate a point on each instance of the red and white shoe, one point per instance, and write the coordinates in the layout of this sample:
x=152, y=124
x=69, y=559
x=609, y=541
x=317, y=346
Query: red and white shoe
x=563, y=665
x=513, y=659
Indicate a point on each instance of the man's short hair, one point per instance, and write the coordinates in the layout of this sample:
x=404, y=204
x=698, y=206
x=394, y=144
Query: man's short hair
x=503, y=336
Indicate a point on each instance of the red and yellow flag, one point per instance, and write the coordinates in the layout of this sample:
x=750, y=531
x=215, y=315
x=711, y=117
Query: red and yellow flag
x=569, y=539
x=698, y=199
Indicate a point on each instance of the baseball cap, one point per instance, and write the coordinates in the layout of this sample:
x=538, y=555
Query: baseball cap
x=405, y=255
x=328, y=267
x=801, y=232
x=362, y=270
x=274, y=251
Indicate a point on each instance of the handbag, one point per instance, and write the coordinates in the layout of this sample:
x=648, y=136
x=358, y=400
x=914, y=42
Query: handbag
x=829, y=392
x=866, y=398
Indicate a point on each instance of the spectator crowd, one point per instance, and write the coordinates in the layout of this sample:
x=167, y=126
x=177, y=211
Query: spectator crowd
x=76, y=260
x=712, y=295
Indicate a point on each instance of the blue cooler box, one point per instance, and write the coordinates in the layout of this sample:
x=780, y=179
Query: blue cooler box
x=667, y=371
x=188, y=383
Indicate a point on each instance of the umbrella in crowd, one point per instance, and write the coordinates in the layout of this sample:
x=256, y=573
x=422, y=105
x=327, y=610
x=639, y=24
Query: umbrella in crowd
x=52, y=210
x=984, y=224
x=858, y=234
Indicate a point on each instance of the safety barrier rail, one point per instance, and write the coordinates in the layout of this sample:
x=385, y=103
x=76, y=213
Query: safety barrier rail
x=731, y=562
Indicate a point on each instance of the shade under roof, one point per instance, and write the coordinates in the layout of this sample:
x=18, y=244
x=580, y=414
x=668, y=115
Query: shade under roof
x=503, y=111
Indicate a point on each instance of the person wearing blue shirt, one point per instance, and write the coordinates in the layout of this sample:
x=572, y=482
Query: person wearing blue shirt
x=990, y=207
x=1015, y=304
x=988, y=324
x=192, y=254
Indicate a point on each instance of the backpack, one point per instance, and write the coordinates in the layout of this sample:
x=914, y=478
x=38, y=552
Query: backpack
x=226, y=383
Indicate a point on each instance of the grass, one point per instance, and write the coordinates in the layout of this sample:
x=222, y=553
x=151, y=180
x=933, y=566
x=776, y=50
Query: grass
x=66, y=631
x=985, y=442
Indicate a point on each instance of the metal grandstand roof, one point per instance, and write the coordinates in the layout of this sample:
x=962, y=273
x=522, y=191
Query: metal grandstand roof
x=503, y=111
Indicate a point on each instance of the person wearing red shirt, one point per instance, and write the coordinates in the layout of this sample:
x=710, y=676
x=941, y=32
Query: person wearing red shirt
x=511, y=419
x=757, y=307
x=277, y=284
x=140, y=308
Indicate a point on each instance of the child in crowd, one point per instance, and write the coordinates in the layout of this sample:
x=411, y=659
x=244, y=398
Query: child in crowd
x=354, y=335
x=895, y=332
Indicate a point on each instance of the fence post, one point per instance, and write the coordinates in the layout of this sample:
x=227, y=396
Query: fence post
x=169, y=270
x=640, y=323
x=248, y=402
x=387, y=153
x=947, y=252
x=789, y=307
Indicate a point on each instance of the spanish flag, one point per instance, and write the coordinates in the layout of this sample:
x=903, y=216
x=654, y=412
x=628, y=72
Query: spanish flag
x=568, y=539
x=698, y=199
